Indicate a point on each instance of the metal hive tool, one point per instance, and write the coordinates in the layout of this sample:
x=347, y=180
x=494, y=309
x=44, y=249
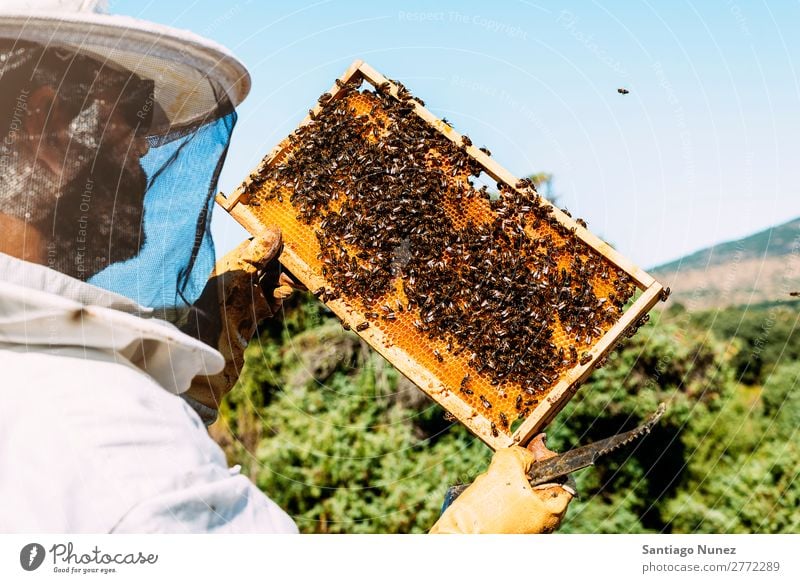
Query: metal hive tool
x=477, y=377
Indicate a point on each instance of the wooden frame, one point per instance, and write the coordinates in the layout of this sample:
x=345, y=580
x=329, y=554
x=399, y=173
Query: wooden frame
x=559, y=395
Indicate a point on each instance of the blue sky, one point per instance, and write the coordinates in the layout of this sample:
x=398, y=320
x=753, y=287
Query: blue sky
x=703, y=149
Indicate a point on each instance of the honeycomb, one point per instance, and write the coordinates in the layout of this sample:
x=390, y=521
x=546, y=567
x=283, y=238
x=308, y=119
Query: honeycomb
x=502, y=400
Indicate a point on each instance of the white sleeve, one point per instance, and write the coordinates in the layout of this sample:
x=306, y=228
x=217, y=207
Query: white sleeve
x=88, y=443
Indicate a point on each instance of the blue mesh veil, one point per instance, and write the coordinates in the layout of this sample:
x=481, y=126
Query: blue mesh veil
x=178, y=252
x=117, y=195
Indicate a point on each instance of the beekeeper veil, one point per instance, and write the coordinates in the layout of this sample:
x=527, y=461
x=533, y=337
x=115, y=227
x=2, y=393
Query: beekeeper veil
x=112, y=136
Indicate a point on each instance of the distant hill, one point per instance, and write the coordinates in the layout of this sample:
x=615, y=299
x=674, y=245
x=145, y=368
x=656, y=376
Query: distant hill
x=762, y=267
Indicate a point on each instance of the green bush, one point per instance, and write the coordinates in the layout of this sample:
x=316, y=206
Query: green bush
x=344, y=443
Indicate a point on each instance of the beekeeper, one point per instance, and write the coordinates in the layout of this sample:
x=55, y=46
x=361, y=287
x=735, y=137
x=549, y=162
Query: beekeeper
x=115, y=344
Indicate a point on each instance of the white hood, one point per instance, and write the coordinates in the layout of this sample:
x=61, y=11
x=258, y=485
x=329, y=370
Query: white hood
x=42, y=307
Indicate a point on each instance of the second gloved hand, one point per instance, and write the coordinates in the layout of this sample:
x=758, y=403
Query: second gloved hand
x=502, y=500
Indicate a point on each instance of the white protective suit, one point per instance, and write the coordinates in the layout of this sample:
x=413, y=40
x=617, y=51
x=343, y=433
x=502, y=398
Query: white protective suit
x=93, y=435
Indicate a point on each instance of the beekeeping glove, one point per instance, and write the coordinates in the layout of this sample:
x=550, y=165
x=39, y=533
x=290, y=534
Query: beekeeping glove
x=246, y=287
x=502, y=500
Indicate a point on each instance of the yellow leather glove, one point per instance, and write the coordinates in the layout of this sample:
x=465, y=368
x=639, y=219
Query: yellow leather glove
x=503, y=501
x=245, y=288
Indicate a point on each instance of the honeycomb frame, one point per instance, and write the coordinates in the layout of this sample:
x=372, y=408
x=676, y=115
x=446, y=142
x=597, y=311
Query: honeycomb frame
x=424, y=374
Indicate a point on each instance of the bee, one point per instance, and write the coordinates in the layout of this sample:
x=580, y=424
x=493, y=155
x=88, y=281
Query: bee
x=794, y=294
x=485, y=402
x=465, y=141
x=438, y=355
x=666, y=291
x=622, y=91
x=495, y=433
x=319, y=291
x=582, y=223
x=362, y=326
x=324, y=98
x=518, y=403
x=503, y=420
x=485, y=150
x=585, y=358
x=345, y=325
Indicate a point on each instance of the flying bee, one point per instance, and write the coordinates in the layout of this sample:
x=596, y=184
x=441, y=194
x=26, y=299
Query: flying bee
x=485, y=150
x=622, y=91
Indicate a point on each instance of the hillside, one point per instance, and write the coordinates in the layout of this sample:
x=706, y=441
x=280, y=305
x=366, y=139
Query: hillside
x=762, y=267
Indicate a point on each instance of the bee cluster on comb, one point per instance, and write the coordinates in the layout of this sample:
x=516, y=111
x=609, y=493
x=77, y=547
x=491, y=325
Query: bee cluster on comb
x=490, y=292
